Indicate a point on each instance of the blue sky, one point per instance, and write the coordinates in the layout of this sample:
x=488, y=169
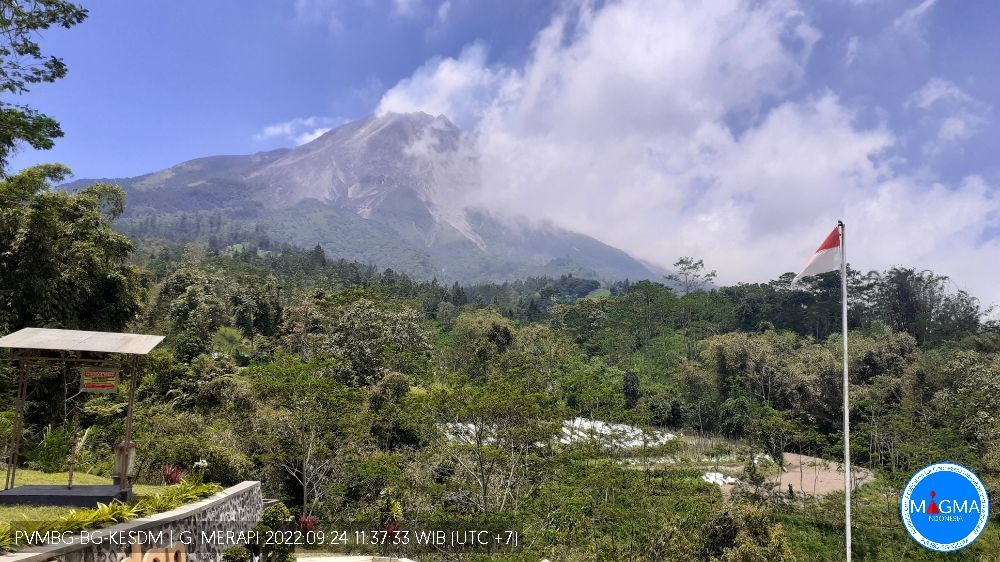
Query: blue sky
x=734, y=130
x=154, y=83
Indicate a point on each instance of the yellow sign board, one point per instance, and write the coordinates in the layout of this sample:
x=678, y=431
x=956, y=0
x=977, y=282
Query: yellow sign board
x=101, y=381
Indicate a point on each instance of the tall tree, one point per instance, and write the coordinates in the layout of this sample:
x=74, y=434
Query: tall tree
x=694, y=281
x=919, y=302
x=61, y=263
x=23, y=64
x=495, y=431
x=630, y=389
x=691, y=276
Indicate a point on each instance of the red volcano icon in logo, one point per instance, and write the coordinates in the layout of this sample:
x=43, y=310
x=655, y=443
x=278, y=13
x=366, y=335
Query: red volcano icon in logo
x=933, y=508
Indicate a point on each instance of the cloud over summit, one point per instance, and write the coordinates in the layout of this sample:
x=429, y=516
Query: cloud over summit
x=674, y=128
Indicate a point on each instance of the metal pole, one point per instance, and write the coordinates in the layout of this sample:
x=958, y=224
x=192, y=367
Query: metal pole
x=18, y=427
x=847, y=410
x=72, y=447
x=13, y=432
x=124, y=483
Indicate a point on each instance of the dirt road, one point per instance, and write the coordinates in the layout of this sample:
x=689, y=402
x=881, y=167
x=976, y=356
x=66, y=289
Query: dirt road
x=812, y=476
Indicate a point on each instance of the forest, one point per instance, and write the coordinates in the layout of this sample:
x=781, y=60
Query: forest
x=587, y=419
x=364, y=399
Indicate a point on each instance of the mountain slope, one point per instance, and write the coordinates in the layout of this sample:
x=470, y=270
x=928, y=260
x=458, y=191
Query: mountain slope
x=386, y=190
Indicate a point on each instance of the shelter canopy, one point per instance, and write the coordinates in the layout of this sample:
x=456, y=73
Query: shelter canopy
x=78, y=340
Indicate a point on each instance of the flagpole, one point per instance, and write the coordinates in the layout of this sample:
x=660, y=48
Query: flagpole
x=847, y=411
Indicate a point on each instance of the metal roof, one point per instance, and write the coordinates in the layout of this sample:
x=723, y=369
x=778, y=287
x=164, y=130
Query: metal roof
x=77, y=340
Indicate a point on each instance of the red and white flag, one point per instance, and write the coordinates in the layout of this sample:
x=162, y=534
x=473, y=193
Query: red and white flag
x=826, y=258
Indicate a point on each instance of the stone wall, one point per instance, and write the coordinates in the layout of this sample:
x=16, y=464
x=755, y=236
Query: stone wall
x=196, y=532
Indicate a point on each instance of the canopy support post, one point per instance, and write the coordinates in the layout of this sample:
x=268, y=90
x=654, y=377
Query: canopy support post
x=125, y=485
x=18, y=428
x=71, y=461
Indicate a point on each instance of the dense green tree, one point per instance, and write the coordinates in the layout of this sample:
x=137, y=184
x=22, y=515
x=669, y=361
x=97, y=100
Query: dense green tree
x=61, y=263
x=693, y=282
x=195, y=315
x=376, y=339
x=479, y=339
x=391, y=423
x=303, y=328
x=630, y=390
x=495, y=430
x=747, y=536
x=256, y=307
x=538, y=358
x=644, y=312
x=700, y=396
x=22, y=64
x=587, y=322
x=919, y=302
x=302, y=428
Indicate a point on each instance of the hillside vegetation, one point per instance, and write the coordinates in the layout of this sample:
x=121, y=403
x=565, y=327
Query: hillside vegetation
x=371, y=400
x=364, y=191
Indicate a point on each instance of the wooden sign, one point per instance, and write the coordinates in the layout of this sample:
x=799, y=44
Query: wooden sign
x=101, y=381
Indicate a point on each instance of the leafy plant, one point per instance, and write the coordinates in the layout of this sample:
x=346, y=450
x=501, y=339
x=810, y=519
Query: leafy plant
x=306, y=523
x=6, y=537
x=103, y=515
x=51, y=453
x=238, y=553
x=172, y=474
x=175, y=496
x=274, y=518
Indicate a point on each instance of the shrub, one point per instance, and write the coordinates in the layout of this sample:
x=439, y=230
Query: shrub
x=175, y=496
x=6, y=425
x=746, y=533
x=51, y=452
x=305, y=522
x=276, y=517
x=172, y=474
x=92, y=450
x=6, y=537
x=174, y=439
x=225, y=464
x=237, y=553
x=115, y=512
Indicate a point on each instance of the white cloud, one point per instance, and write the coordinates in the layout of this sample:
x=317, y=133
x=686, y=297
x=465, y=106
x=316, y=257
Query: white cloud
x=328, y=12
x=310, y=136
x=405, y=7
x=910, y=21
x=853, y=48
x=956, y=115
x=443, y=11
x=460, y=88
x=299, y=130
x=324, y=12
x=938, y=90
x=954, y=129
x=617, y=126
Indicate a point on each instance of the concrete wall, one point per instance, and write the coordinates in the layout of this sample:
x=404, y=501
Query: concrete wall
x=191, y=533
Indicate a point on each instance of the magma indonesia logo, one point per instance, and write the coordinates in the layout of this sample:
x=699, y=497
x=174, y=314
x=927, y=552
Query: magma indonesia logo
x=945, y=507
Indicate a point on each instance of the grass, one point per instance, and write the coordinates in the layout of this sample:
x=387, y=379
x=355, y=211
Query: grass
x=49, y=512
x=47, y=519
x=10, y=513
x=25, y=476
x=816, y=531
